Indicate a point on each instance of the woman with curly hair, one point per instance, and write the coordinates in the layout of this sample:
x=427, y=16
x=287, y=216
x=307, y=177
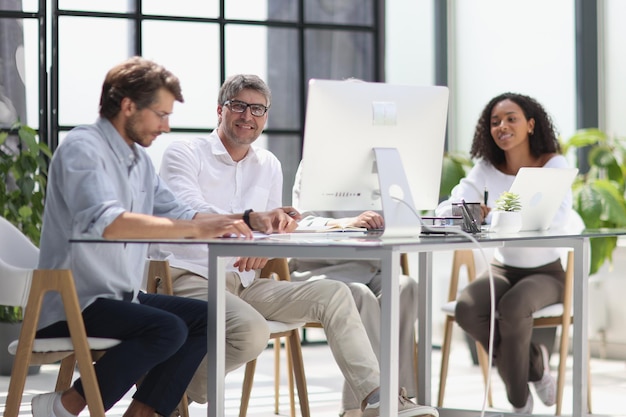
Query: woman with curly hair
x=513, y=131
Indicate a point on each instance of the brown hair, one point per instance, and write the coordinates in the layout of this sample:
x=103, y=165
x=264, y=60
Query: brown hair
x=139, y=79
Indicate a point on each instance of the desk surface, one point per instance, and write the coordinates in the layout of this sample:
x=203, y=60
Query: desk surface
x=373, y=246
x=361, y=239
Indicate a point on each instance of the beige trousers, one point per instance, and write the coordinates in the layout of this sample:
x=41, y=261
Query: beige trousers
x=367, y=299
x=247, y=309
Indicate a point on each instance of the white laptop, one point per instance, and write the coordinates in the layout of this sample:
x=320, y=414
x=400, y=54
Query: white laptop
x=541, y=192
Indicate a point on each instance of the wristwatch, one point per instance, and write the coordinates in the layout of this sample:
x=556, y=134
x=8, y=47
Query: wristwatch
x=246, y=217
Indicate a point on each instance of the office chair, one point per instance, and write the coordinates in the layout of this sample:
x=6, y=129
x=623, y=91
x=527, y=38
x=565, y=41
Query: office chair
x=21, y=284
x=549, y=316
x=159, y=277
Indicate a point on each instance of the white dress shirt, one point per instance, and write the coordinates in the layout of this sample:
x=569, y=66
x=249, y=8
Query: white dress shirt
x=201, y=173
x=484, y=176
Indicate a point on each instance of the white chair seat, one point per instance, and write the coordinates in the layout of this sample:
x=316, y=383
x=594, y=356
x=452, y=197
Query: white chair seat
x=281, y=327
x=64, y=344
x=553, y=310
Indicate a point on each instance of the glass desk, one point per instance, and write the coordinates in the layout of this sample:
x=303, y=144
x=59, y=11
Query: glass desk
x=388, y=250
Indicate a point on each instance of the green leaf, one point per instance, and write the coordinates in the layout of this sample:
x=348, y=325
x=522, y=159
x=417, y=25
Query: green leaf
x=601, y=251
x=452, y=172
x=586, y=137
x=9, y=314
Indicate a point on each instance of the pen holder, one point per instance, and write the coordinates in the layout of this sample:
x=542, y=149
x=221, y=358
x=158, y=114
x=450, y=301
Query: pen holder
x=474, y=210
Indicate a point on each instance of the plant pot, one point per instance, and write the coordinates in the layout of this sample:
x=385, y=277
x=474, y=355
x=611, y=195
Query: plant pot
x=506, y=222
x=8, y=333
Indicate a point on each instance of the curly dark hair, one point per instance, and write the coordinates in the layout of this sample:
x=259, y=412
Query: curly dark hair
x=543, y=140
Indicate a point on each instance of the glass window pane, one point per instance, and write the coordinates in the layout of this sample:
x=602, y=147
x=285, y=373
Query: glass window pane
x=285, y=10
x=85, y=56
x=30, y=72
x=113, y=6
x=337, y=55
x=287, y=149
x=246, y=50
x=349, y=12
x=19, y=5
x=196, y=65
x=283, y=77
x=13, y=75
x=246, y=9
x=194, y=8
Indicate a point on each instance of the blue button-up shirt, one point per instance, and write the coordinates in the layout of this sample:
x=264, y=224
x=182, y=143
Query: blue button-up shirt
x=94, y=177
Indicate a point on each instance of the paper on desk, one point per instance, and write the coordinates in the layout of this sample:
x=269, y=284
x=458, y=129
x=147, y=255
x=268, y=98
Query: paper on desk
x=328, y=229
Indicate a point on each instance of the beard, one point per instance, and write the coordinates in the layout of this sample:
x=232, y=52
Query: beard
x=133, y=132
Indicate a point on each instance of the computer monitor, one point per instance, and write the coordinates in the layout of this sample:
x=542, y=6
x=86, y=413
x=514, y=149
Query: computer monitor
x=346, y=121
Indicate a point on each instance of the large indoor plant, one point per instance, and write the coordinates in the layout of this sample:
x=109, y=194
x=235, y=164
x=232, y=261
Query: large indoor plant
x=598, y=193
x=453, y=169
x=23, y=173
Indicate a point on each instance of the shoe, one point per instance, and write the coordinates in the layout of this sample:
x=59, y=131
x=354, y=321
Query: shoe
x=406, y=408
x=546, y=386
x=355, y=412
x=42, y=404
x=526, y=409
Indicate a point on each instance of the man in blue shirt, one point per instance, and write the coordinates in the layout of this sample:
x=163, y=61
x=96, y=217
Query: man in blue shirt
x=102, y=184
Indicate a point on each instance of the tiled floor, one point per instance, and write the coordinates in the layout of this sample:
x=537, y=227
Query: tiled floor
x=464, y=388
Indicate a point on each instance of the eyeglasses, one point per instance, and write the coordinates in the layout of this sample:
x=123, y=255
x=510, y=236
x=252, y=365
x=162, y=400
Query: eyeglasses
x=160, y=114
x=237, y=106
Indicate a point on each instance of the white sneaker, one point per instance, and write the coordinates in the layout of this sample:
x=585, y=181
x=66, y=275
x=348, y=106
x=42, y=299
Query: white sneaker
x=406, y=408
x=356, y=412
x=42, y=404
x=527, y=408
x=546, y=386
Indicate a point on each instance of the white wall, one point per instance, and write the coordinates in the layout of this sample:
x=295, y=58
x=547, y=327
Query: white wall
x=613, y=67
x=523, y=46
x=410, y=51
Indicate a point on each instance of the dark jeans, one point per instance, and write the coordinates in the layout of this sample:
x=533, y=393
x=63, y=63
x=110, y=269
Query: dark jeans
x=163, y=337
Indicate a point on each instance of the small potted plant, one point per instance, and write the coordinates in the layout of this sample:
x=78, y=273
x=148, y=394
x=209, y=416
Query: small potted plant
x=506, y=217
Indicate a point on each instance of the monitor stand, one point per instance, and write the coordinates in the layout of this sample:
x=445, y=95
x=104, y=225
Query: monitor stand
x=401, y=218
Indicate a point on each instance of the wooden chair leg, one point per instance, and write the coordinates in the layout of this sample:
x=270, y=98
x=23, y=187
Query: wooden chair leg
x=588, y=381
x=297, y=362
x=560, y=381
x=247, y=387
x=415, y=365
x=183, y=406
x=277, y=375
x=445, y=357
x=290, y=380
x=66, y=372
x=18, y=380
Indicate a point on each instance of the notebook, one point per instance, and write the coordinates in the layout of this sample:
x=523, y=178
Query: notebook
x=541, y=192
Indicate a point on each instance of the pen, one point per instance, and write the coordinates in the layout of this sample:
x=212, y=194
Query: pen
x=485, y=197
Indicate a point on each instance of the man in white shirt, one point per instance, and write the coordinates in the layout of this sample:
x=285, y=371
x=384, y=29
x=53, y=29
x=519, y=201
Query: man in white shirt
x=225, y=173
